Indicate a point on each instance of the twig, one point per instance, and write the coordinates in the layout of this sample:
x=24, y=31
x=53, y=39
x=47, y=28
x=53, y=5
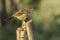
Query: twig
x=29, y=32
x=29, y=21
x=18, y=33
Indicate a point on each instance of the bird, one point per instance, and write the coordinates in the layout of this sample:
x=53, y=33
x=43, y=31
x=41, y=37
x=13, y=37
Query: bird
x=21, y=14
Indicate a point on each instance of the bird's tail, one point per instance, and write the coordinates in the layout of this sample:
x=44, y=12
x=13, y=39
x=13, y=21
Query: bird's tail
x=8, y=19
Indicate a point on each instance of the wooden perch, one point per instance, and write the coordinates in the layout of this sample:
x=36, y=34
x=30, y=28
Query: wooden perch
x=29, y=30
x=29, y=21
x=21, y=32
x=18, y=33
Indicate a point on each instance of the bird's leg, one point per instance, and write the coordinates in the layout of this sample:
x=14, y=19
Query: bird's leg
x=23, y=22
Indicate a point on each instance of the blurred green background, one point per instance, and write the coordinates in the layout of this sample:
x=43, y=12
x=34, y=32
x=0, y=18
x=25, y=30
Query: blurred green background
x=46, y=18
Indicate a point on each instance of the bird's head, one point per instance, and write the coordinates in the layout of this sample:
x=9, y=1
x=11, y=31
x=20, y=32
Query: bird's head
x=27, y=10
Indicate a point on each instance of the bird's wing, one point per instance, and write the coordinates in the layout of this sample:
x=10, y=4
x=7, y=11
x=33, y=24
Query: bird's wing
x=16, y=13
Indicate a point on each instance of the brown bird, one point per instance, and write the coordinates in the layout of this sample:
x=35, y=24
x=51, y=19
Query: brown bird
x=21, y=14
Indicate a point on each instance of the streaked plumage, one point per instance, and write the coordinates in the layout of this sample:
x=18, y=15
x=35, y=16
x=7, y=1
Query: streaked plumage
x=21, y=14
